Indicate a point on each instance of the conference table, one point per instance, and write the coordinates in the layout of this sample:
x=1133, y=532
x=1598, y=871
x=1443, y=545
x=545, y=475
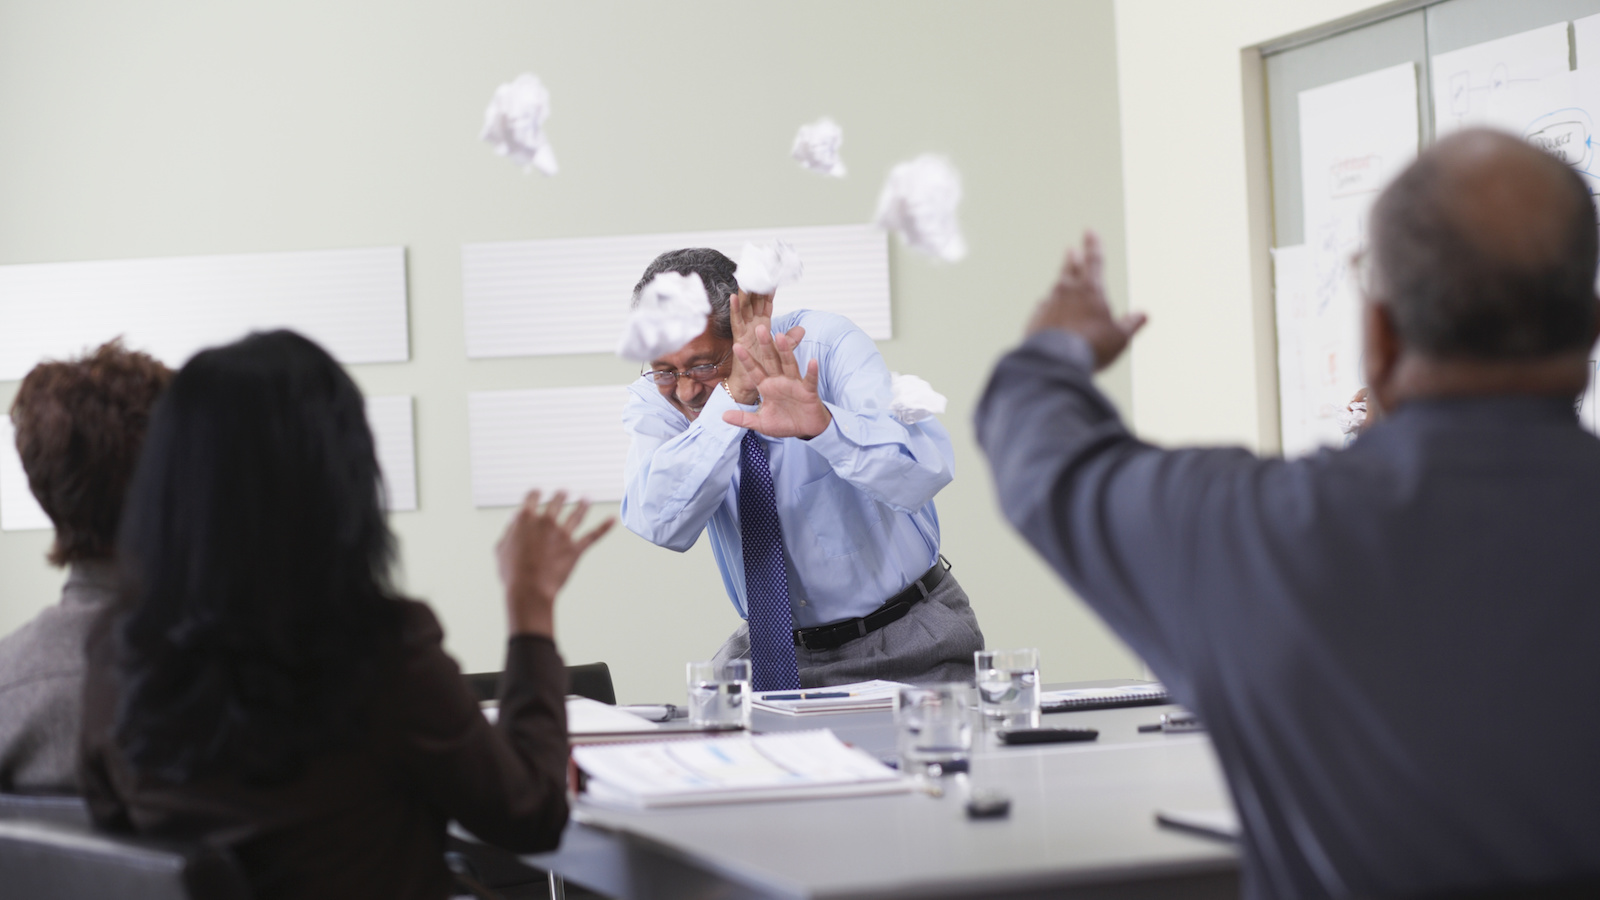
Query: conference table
x=1082, y=825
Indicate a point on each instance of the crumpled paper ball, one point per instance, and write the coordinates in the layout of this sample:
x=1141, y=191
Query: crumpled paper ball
x=671, y=312
x=919, y=202
x=912, y=399
x=817, y=147
x=763, y=268
x=514, y=123
x=1351, y=418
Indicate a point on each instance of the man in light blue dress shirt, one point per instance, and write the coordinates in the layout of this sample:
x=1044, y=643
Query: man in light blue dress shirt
x=854, y=486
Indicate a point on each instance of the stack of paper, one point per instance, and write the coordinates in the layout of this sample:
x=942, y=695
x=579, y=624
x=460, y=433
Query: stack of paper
x=590, y=721
x=861, y=696
x=591, y=718
x=1148, y=694
x=791, y=765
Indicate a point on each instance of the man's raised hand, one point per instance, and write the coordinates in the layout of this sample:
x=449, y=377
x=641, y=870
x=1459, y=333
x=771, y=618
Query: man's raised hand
x=1077, y=303
x=790, y=406
x=750, y=316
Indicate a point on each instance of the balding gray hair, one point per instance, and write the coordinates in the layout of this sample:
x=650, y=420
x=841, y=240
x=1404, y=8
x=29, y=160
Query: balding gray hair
x=1485, y=248
x=715, y=271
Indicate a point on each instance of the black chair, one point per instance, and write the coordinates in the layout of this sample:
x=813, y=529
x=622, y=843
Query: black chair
x=592, y=680
x=54, y=860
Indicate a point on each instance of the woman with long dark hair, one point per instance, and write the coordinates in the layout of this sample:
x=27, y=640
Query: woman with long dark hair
x=260, y=683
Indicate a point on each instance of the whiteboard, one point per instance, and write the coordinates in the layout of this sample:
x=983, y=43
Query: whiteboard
x=1470, y=82
x=1500, y=65
x=572, y=295
x=1355, y=136
x=352, y=302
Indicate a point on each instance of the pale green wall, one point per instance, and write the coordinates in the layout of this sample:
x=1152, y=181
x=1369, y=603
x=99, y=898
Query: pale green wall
x=194, y=127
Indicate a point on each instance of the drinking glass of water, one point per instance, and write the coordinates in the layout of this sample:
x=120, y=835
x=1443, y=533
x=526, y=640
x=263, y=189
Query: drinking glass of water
x=933, y=726
x=1008, y=687
x=719, y=694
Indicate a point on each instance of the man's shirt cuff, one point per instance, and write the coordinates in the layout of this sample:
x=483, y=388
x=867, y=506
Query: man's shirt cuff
x=836, y=444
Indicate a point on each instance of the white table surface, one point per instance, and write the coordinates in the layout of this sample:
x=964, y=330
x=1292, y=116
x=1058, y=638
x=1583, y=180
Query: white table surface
x=1082, y=824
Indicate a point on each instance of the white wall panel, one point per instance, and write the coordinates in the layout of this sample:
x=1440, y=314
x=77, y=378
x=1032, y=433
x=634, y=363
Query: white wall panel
x=353, y=302
x=18, y=510
x=388, y=417
x=571, y=295
x=395, y=440
x=549, y=438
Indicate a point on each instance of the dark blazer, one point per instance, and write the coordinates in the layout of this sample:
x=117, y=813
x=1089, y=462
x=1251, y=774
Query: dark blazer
x=1395, y=647
x=367, y=821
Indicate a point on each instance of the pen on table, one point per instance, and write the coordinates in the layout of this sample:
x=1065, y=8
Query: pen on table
x=660, y=712
x=1171, y=724
x=814, y=695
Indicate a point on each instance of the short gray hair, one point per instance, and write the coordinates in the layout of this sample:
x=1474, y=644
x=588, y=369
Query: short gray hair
x=715, y=271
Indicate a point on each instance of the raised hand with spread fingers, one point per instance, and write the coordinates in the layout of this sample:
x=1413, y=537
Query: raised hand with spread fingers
x=537, y=554
x=750, y=316
x=1078, y=304
x=790, y=406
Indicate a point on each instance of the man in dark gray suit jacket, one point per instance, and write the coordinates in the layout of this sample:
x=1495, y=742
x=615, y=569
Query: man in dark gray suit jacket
x=80, y=426
x=1396, y=646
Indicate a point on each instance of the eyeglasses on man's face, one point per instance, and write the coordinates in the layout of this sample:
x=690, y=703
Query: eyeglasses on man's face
x=704, y=374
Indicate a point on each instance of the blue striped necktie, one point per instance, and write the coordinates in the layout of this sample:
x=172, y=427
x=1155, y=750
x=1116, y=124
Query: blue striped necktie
x=766, y=585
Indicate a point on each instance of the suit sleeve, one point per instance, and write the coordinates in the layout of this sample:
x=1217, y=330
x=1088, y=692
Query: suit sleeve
x=505, y=783
x=1139, y=532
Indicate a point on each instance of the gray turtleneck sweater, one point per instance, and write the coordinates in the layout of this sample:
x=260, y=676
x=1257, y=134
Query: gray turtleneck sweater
x=41, y=685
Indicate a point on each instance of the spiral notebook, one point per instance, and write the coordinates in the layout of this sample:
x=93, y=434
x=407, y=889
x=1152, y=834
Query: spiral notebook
x=1150, y=693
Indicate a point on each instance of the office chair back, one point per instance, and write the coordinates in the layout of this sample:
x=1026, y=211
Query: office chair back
x=57, y=861
x=592, y=680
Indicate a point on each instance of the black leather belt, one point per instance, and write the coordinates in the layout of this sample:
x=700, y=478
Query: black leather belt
x=827, y=637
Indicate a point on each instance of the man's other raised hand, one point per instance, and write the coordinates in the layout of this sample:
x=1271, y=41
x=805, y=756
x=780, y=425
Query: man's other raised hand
x=750, y=316
x=1077, y=304
x=790, y=406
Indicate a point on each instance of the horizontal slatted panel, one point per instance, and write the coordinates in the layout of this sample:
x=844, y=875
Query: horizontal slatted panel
x=550, y=439
x=395, y=440
x=571, y=295
x=353, y=302
x=18, y=510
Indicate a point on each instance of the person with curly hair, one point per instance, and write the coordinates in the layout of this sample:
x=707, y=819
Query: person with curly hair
x=79, y=427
